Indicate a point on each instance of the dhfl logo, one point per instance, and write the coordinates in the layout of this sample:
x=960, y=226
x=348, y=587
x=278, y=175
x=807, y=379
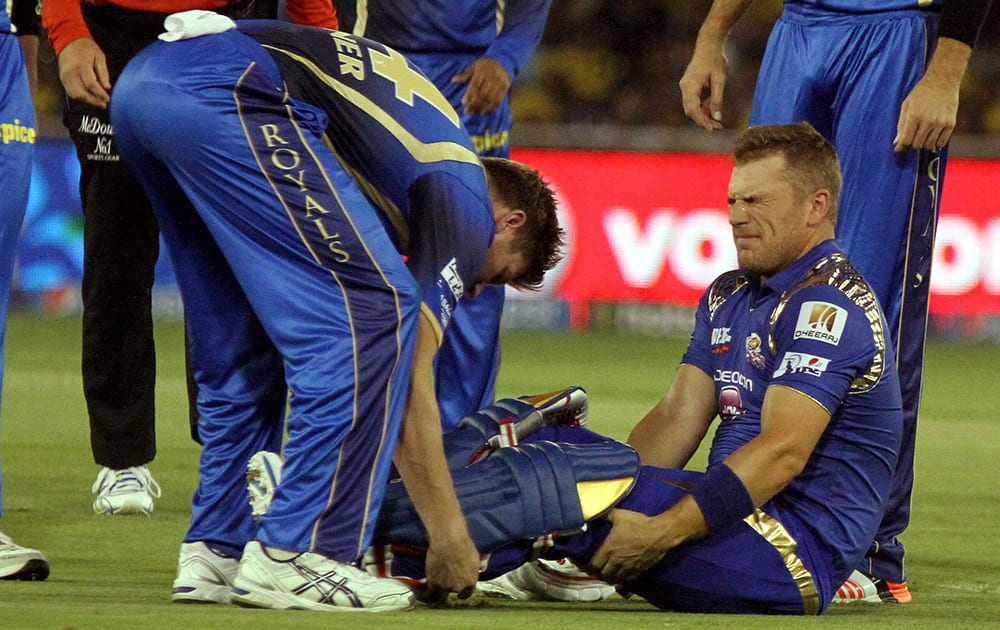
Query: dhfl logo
x=452, y=280
x=730, y=403
x=821, y=321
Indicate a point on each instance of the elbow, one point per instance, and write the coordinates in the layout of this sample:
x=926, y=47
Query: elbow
x=788, y=464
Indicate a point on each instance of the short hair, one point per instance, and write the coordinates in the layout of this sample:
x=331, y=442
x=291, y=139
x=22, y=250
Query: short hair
x=812, y=161
x=540, y=240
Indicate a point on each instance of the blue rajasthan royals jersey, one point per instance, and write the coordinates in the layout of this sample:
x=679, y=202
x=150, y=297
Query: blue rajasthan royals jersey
x=814, y=327
x=402, y=142
x=868, y=6
x=452, y=26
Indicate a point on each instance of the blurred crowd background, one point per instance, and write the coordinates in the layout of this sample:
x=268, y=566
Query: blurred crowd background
x=617, y=62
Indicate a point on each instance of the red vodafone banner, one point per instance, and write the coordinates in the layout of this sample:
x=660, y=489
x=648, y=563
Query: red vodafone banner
x=652, y=227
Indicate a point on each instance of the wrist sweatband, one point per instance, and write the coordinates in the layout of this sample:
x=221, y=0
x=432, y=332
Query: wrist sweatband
x=722, y=498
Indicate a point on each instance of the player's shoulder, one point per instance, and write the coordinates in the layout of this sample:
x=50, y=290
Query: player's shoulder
x=830, y=302
x=723, y=288
x=835, y=280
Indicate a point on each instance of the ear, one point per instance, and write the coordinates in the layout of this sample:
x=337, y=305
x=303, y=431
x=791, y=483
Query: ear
x=512, y=218
x=820, y=208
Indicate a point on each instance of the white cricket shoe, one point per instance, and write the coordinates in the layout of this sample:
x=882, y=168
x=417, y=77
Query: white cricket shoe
x=263, y=476
x=21, y=563
x=204, y=575
x=125, y=491
x=270, y=578
x=552, y=580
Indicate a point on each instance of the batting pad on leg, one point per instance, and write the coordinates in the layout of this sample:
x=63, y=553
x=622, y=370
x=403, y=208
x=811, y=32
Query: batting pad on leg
x=522, y=492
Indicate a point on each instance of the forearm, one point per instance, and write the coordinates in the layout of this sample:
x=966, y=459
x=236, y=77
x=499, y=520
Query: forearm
x=721, y=19
x=419, y=455
x=670, y=433
x=791, y=425
x=948, y=64
x=29, y=44
x=524, y=22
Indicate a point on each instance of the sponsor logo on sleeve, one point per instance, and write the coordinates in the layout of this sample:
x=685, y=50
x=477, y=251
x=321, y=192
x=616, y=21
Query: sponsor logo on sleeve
x=450, y=276
x=801, y=363
x=720, y=340
x=821, y=321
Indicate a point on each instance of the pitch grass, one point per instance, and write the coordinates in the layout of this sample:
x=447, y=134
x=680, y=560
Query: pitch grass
x=116, y=572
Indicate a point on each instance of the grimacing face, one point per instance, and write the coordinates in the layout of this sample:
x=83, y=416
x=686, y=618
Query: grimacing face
x=769, y=219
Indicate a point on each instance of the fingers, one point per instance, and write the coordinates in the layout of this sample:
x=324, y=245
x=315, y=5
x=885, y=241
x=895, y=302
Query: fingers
x=717, y=89
x=488, y=85
x=702, y=100
x=83, y=71
x=912, y=133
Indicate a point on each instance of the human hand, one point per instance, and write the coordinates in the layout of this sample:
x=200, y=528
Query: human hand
x=703, y=85
x=83, y=71
x=452, y=566
x=928, y=114
x=488, y=84
x=631, y=547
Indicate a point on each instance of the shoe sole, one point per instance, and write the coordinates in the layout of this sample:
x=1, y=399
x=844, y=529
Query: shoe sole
x=276, y=600
x=32, y=571
x=125, y=510
x=200, y=595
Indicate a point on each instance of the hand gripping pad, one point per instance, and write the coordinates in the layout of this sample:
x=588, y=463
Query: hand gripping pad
x=521, y=493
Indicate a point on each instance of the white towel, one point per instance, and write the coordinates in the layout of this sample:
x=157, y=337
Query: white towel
x=194, y=23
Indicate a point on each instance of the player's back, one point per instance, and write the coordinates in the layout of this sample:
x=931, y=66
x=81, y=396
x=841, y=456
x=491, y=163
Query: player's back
x=386, y=121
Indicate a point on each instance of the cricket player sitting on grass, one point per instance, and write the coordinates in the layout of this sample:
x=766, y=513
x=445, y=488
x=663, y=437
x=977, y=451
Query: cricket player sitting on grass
x=790, y=351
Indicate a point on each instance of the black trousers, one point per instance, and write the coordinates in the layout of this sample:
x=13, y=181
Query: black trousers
x=121, y=245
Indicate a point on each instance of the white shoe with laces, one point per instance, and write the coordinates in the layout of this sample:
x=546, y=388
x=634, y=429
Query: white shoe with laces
x=125, y=491
x=21, y=563
x=204, y=575
x=271, y=578
x=552, y=580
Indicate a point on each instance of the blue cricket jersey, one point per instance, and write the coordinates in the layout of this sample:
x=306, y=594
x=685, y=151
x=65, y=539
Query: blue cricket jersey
x=507, y=31
x=815, y=327
x=402, y=142
x=868, y=6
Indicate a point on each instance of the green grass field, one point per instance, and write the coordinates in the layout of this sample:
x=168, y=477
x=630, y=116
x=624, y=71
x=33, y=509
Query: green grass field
x=116, y=572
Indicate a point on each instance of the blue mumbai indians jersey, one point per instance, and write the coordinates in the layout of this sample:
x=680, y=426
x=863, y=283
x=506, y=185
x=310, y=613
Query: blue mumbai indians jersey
x=505, y=30
x=402, y=142
x=867, y=6
x=814, y=327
